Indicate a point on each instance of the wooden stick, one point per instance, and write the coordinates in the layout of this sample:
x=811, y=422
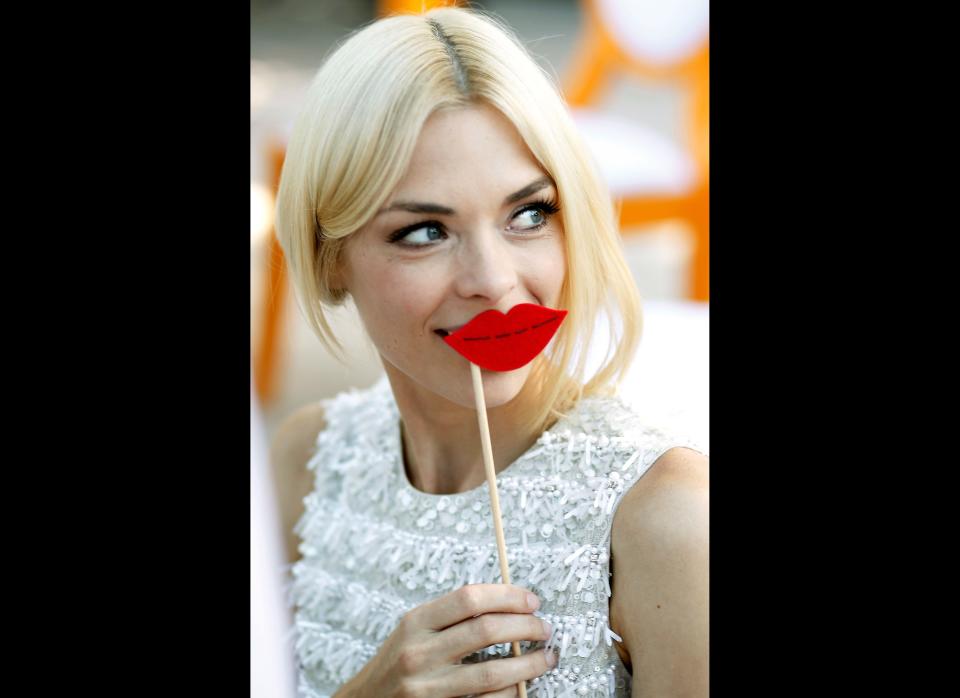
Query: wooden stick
x=494, y=497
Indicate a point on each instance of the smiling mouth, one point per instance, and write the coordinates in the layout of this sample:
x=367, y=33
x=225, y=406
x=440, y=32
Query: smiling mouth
x=444, y=333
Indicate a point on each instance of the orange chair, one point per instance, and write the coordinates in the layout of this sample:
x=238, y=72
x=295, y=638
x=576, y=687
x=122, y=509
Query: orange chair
x=389, y=7
x=274, y=295
x=668, y=42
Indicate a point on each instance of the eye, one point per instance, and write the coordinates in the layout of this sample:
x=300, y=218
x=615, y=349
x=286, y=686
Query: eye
x=537, y=217
x=418, y=235
x=426, y=234
x=539, y=214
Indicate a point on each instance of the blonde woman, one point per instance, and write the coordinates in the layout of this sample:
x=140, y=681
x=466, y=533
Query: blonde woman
x=433, y=174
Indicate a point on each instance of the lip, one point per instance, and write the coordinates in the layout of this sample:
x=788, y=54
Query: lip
x=499, y=342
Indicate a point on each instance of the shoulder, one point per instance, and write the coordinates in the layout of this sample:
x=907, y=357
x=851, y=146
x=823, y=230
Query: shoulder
x=665, y=514
x=292, y=446
x=660, y=546
x=672, y=495
x=295, y=437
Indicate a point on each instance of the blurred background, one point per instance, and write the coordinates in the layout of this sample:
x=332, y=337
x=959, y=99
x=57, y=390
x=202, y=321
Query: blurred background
x=635, y=74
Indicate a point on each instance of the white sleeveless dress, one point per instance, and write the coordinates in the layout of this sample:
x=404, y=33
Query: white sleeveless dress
x=374, y=547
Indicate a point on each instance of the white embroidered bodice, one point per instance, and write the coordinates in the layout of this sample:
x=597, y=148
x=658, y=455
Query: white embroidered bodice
x=373, y=546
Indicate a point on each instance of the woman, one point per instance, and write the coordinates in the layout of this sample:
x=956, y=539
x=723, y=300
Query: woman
x=435, y=174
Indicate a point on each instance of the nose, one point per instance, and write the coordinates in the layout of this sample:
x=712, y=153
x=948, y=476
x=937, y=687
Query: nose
x=487, y=268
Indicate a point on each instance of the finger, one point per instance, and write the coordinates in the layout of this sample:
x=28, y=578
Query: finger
x=471, y=600
x=488, y=629
x=509, y=692
x=497, y=674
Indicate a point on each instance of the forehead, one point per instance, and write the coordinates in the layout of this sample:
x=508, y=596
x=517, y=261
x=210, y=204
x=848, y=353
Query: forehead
x=473, y=147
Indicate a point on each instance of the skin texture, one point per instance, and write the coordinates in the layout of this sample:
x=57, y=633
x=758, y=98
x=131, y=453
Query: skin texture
x=660, y=554
x=487, y=255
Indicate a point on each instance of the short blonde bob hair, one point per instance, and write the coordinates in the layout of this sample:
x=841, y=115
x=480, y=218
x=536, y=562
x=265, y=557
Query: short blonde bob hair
x=354, y=139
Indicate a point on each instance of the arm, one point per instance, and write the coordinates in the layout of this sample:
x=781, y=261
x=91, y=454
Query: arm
x=291, y=448
x=660, y=550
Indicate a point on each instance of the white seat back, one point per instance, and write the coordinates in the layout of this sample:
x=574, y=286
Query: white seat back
x=659, y=32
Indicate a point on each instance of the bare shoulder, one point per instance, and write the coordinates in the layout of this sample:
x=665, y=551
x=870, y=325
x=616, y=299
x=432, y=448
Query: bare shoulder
x=660, y=554
x=673, y=492
x=291, y=447
x=296, y=435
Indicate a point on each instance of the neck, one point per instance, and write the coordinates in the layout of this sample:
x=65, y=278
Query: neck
x=441, y=440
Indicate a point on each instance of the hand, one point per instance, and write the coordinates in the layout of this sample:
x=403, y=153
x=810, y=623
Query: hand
x=421, y=658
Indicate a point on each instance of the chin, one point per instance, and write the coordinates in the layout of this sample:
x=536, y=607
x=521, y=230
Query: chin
x=500, y=387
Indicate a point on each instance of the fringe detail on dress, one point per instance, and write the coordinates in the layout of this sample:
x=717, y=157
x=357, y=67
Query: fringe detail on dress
x=370, y=549
x=348, y=605
x=586, y=682
x=306, y=690
x=373, y=547
x=579, y=635
x=333, y=654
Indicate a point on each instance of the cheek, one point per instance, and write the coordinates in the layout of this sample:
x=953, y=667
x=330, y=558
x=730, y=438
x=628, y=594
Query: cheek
x=406, y=296
x=559, y=269
x=551, y=269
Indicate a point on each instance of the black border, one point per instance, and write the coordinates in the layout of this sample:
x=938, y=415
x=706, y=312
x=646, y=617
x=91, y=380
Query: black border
x=157, y=546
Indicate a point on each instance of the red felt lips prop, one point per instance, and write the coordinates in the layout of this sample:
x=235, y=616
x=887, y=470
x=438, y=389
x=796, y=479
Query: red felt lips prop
x=499, y=342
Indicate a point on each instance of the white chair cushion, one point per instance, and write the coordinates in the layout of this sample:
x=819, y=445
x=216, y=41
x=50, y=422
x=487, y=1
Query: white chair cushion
x=632, y=158
x=669, y=379
x=657, y=32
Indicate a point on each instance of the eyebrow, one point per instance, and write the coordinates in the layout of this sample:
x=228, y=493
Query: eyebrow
x=422, y=207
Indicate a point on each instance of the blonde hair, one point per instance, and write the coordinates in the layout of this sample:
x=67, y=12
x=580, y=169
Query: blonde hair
x=354, y=139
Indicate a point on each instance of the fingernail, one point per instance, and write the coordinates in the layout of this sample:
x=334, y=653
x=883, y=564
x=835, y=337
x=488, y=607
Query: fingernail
x=533, y=602
x=551, y=658
x=547, y=628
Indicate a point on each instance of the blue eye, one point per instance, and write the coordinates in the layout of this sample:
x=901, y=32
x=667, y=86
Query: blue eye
x=537, y=211
x=417, y=238
x=421, y=234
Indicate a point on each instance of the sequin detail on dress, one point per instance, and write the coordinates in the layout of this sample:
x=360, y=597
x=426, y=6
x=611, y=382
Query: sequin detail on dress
x=375, y=547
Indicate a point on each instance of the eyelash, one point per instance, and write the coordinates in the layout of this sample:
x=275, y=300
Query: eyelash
x=546, y=206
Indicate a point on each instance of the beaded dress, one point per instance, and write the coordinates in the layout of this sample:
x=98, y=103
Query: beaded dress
x=373, y=546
